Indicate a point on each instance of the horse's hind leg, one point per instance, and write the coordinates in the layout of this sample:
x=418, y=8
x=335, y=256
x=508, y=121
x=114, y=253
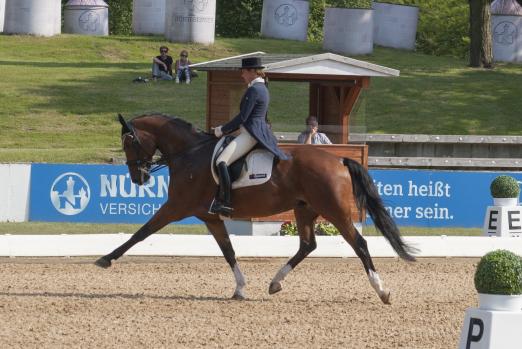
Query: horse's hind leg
x=305, y=219
x=218, y=230
x=359, y=245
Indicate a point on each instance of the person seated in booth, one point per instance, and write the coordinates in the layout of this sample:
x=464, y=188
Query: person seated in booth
x=183, y=71
x=162, y=65
x=312, y=135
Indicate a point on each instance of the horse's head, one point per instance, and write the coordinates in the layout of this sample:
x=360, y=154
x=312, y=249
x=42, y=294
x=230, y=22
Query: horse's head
x=139, y=147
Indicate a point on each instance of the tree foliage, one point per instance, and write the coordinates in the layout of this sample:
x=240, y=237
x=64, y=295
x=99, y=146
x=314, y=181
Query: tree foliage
x=120, y=17
x=238, y=18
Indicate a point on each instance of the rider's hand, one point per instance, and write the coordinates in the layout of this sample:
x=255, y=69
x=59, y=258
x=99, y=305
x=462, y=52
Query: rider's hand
x=217, y=132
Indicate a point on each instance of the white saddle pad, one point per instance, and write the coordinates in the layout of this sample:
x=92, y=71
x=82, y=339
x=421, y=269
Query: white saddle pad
x=257, y=171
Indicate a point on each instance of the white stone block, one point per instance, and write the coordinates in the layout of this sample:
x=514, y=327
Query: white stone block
x=190, y=21
x=485, y=329
x=503, y=221
x=283, y=19
x=395, y=25
x=507, y=38
x=348, y=31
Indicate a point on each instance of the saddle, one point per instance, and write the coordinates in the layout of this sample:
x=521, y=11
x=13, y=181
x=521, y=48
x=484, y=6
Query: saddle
x=254, y=168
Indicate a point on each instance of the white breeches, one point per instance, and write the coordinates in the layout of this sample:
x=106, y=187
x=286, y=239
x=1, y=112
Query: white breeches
x=238, y=147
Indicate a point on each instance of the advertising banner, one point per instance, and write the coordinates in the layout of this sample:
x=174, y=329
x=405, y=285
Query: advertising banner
x=437, y=198
x=95, y=193
x=105, y=194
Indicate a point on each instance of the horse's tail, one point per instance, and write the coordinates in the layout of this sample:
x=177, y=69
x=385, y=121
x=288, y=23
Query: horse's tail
x=367, y=196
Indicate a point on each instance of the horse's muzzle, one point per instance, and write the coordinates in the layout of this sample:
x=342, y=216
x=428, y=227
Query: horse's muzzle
x=140, y=175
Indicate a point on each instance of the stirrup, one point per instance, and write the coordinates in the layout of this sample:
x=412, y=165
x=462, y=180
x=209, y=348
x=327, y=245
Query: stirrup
x=217, y=207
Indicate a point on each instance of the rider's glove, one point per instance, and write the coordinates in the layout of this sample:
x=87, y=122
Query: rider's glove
x=217, y=132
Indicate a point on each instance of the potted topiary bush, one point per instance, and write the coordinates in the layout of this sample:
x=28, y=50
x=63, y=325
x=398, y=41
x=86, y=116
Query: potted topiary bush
x=498, y=280
x=505, y=191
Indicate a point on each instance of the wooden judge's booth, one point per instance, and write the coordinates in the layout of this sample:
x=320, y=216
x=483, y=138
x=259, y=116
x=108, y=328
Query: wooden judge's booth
x=334, y=81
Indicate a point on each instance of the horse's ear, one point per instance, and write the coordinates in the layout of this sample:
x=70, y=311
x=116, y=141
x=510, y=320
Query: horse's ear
x=126, y=128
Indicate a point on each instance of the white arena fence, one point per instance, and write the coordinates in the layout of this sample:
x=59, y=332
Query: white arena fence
x=14, y=207
x=245, y=246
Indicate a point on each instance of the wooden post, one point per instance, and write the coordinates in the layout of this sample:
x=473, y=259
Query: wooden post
x=313, y=96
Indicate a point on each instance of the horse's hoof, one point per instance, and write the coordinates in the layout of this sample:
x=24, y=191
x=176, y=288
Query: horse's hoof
x=238, y=297
x=385, y=297
x=103, y=262
x=274, y=287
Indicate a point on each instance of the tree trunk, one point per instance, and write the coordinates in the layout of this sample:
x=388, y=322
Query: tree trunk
x=481, y=49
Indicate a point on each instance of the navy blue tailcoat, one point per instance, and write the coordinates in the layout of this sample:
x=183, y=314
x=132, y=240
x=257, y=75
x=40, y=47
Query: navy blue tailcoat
x=252, y=115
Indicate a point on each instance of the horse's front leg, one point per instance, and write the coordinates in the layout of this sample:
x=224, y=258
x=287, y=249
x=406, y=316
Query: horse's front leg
x=218, y=230
x=164, y=216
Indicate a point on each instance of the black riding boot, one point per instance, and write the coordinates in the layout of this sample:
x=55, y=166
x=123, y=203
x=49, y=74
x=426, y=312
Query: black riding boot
x=221, y=204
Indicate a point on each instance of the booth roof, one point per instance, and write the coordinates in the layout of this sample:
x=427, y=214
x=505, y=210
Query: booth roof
x=324, y=64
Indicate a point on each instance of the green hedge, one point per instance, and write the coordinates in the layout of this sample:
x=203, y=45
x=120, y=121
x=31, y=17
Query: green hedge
x=120, y=17
x=443, y=27
x=238, y=18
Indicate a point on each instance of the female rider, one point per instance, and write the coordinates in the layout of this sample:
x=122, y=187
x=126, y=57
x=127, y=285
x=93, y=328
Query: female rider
x=254, y=129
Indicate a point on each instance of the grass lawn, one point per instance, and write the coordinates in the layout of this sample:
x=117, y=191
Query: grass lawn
x=37, y=228
x=60, y=96
x=44, y=228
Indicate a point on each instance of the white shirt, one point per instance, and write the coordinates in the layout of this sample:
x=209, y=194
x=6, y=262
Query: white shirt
x=318, y=138
x=258, y=79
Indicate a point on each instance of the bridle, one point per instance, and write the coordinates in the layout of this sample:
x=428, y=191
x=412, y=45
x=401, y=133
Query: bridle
x=147, y=167
x=144, y=166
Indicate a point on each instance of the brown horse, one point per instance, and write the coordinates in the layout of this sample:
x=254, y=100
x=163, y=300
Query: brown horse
x=311, y=183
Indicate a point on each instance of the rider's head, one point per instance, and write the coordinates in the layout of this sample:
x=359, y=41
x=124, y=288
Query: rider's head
x=251, y=68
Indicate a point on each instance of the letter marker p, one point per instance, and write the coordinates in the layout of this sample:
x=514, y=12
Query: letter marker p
x=474, y=338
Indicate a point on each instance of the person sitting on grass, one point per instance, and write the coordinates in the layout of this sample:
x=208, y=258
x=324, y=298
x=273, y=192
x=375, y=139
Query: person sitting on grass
x=162, y=65
x=183, y=72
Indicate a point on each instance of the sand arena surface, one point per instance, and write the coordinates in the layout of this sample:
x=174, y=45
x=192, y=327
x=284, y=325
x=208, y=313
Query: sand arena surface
x=184, y=303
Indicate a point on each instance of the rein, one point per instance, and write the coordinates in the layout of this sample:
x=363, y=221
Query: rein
x=162, y=162
x=148, y=167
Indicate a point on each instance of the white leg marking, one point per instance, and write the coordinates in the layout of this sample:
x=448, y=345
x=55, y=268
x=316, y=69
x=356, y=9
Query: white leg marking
x=281, y=274
x=376, y=282
x=240, y=280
